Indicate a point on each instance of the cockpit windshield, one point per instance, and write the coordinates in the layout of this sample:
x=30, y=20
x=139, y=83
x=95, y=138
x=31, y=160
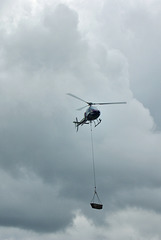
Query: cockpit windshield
x=94, y=108
x=91, y=109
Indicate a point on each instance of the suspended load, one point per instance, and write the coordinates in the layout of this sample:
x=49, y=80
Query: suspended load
x=96, y=204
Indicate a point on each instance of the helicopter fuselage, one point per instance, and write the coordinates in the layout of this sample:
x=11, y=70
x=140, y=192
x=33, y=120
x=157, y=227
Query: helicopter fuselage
x=91, y=113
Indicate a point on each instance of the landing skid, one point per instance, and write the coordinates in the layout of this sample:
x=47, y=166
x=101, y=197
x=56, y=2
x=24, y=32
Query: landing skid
x=96, y=123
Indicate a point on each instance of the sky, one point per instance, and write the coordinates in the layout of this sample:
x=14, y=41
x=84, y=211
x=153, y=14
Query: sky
x=100, y=51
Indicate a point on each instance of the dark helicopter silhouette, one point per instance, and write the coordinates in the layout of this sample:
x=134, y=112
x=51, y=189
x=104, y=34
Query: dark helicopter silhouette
x=92, y=113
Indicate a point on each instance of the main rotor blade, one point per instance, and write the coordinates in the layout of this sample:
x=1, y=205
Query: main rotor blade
x=109, y=103
x=90, y=103
x=72, y=95
x=82, y=108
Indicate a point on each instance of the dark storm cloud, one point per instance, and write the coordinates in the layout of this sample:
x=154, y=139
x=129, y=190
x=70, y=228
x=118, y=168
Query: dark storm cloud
x=46, y=168
x=27, y=203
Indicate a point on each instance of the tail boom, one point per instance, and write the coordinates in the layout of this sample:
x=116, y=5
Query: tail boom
x=77, y=123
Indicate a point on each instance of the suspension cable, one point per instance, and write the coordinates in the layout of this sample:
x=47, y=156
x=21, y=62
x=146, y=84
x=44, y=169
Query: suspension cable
x=94, y=172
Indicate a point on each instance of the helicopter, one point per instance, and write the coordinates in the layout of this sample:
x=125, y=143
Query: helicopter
x=91, y=114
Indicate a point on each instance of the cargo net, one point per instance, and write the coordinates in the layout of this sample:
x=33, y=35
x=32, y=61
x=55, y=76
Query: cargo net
x=96, y=202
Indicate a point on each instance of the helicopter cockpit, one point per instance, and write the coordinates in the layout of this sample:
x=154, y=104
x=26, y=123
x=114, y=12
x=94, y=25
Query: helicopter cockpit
x=92, y=113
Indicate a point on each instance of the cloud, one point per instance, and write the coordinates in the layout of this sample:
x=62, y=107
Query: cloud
x=133, y=28
x=31, y=107
x=124, y=224
x=25, y=203
x=46, y=175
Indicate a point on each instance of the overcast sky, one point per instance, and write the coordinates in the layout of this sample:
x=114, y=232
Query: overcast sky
x=99, y=50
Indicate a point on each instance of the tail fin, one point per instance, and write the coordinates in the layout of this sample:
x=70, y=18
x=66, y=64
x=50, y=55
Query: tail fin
x=76, y=123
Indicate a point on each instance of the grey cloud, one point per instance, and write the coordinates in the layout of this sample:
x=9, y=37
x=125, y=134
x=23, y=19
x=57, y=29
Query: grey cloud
x=45, y=164
x=36, y=127
x=29, y=204
x=30, y=115
x=51, y=42
x=134, y=30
